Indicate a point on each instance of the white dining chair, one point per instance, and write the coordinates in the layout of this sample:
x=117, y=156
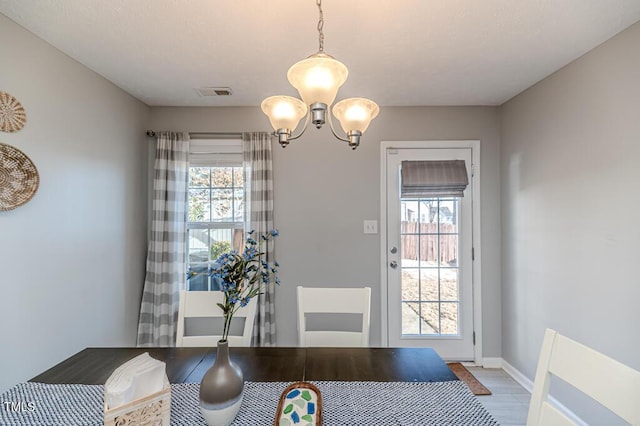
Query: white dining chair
x=315, y=300
x=612, y=384
x=204, y=304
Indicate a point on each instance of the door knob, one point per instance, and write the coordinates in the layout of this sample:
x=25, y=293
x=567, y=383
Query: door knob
x=393, y=264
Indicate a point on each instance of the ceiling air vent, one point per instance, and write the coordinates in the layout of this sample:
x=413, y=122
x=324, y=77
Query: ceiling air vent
x=214, y=91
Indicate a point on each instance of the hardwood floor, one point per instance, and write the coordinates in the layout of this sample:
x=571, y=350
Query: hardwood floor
x=509, y=402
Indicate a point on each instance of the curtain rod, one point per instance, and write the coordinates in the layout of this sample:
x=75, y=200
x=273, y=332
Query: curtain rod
x=206, y=135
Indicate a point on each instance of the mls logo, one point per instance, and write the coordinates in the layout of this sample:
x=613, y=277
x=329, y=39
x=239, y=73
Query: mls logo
x=18, y=406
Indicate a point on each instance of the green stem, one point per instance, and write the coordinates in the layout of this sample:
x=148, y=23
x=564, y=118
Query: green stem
x=227, y=324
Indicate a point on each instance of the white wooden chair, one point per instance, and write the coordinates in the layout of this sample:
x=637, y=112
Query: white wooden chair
x=204, y=304
x=314, y=300
x=612, y=384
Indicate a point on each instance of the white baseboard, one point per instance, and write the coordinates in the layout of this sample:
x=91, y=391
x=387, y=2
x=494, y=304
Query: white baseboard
x=517, y=375
x=526, y=383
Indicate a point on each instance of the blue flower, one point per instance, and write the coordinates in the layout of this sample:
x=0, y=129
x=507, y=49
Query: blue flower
x=250, y=253
x=241, y=275
x=191, y=274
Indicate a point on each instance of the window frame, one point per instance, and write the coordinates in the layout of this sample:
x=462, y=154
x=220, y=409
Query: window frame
x=214, y=153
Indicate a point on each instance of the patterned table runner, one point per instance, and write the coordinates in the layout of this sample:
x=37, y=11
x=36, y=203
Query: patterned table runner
x=344, y=403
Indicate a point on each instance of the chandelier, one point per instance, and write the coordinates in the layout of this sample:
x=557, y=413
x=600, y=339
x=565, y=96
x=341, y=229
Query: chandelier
x=318, y=79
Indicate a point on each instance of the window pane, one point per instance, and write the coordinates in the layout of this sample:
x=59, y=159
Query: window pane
x=409, y=211
x=222, y=205
x=410, y=288
x=216, y=195
x=199, y=177
x=429, y=250
x=200, y=281
x=238, y=205
x=449, y=286
x=448, y=249
x=410, y=318
x=220, y=242
x=430, y=315
x=205, y=246
x=198, y=245
x=430, y=273
x=429, y=284
x=409, y=250
x=199, y=205
x=238, y=177
x=429, y=212
x=449, y=318
x=221, y=177
x=448, y=216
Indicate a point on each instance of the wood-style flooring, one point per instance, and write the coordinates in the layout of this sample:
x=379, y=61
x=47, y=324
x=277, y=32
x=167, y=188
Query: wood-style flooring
x=509, y=401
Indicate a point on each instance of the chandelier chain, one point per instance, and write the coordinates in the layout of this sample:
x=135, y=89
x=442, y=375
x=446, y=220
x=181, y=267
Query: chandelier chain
x=320, y=26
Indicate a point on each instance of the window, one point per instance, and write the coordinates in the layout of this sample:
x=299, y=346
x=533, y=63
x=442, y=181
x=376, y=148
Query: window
x=430, y=270
x=216, y=206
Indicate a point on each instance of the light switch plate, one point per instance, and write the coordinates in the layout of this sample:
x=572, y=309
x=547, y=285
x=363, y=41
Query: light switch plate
x=370, y=226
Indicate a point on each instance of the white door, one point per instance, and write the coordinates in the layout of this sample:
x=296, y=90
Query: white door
x=429, y=262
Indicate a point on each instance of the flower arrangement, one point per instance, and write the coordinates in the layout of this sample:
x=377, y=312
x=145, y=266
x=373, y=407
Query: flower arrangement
x=243, y=275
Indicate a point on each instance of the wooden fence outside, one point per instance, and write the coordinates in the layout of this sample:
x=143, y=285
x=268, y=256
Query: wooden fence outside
x=429, y=243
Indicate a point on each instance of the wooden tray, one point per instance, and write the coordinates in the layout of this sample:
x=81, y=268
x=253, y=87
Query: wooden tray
x=300, y=404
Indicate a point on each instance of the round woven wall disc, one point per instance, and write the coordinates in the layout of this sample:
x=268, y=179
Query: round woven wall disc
x=12, y=114
x=19, y=178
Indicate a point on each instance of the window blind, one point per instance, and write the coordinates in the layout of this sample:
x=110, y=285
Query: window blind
x=215, y=153
x=438, y=178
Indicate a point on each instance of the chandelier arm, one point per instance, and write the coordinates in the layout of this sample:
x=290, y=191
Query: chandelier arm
x=333, y=130
x=306, y=124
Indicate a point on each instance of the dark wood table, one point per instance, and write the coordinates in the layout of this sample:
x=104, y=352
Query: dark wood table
x=188, y=365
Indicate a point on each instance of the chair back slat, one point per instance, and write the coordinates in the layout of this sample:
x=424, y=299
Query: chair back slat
x=204, y=304
x=609, y=382
x=314, y=300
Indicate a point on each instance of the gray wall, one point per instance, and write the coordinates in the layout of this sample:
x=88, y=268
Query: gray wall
x=324, y=190
x=570, y=202
x=72, y=259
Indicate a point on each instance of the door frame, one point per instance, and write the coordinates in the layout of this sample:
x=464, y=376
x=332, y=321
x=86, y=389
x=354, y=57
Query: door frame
x=476, y=267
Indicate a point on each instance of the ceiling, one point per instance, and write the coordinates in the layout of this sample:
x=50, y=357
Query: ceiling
x=399, y=53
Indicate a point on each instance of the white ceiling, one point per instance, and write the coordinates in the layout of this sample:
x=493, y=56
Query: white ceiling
x=402, y=52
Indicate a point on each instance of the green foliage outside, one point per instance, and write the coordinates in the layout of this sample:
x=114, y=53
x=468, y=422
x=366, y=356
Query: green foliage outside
x=219, y=247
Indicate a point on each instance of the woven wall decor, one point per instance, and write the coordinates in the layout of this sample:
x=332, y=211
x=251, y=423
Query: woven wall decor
x=12, y=114
x=19, y=178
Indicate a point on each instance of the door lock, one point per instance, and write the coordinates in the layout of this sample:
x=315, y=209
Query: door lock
x=393, y=250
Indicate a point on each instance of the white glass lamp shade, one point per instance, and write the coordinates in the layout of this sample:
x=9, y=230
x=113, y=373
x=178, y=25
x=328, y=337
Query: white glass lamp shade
x=284, y=112
x=318, y=78
x=355, y=113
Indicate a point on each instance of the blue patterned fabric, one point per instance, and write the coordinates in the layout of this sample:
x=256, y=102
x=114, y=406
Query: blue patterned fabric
x=343, y=404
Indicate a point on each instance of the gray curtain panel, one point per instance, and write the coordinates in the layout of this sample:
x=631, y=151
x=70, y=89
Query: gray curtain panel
x=440, y=178
x=259, y=210
x=166, y=262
